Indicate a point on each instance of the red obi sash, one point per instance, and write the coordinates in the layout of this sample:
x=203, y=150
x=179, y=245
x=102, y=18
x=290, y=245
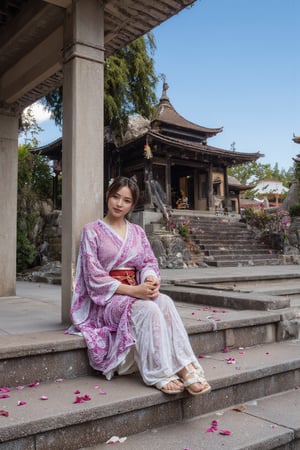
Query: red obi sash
x=125, y=276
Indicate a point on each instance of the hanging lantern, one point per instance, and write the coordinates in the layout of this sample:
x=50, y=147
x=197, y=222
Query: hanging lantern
x=147, y=152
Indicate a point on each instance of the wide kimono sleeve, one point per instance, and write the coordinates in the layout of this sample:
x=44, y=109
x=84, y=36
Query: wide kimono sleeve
x=92, y=281
x=149, y=262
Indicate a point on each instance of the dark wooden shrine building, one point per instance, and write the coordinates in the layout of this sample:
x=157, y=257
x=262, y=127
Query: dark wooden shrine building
x=171, y=158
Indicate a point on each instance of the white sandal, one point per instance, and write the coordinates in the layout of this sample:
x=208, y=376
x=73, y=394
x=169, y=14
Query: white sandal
x=193, y=377
x=176, y=381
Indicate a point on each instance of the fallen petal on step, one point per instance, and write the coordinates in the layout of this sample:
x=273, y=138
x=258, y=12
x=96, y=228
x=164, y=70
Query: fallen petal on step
x=102, y=392
x=251, y=403
x=225, y=432
x=44, y=397
x=21, y=403
x=230, y=360
x=4, y=396
x=5, y=389
x=35, y=384
x=86, y=397
x=78, y=400
x=239, y=408
x=20, y=388
x=77, y=391
x=116, y=440
x=3, y=412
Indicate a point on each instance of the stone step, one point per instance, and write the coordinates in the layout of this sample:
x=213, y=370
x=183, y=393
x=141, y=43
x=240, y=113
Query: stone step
x=220, y=250
x=221, y=256
x=255, y=425
x=244, y=262
x=125, y=406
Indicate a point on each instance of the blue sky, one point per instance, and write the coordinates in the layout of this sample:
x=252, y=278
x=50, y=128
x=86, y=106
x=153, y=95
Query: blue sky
x=233, y=64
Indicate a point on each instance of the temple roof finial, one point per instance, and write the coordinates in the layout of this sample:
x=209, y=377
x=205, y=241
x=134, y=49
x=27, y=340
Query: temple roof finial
x=164, y=91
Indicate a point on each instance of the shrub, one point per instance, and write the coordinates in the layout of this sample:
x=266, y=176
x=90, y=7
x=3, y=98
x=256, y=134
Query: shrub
x=295, y=210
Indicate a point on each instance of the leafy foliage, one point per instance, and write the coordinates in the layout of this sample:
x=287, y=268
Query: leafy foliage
x=252, y=172
x=295, y=210
x=34, y=184
x=129, y=85
x=29, y=127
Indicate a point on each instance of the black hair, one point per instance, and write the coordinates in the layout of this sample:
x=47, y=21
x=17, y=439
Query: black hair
x=120, y=182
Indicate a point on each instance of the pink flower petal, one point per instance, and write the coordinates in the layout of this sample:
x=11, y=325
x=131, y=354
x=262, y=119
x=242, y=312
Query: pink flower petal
x=4, y=389
x=43, y=397
x=201, y=356
x=4, y=396
x=225, y=432
x=77, y=391
x=3, y=412
x=21, y=403
x=101, y=392
x=86, y=397
x=230, y=360
x=19, y=388
x=78, y=400
x=96, y=386
x=35, y=384
x=225, y=350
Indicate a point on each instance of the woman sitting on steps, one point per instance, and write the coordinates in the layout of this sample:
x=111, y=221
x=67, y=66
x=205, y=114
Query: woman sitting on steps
x=126, y=322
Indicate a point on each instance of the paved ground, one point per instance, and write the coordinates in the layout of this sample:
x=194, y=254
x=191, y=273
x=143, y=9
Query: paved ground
x=36, y=306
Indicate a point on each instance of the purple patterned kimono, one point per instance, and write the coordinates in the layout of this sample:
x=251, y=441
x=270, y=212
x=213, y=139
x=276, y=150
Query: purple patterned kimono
x=102, y=316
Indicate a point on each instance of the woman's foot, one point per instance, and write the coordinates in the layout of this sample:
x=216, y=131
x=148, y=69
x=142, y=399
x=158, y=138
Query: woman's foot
x=193, y=381
x=173, y=387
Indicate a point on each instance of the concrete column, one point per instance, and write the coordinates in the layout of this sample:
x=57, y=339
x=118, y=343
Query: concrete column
x=8, y=202
x=82, y=162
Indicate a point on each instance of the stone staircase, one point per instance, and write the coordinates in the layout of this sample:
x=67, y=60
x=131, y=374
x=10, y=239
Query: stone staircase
x=223, y=241
x=250, y=351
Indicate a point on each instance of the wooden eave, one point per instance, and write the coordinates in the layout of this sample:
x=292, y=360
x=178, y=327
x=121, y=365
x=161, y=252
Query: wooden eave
x=185, y=149
x=53, y=150
x=29, y=28
x=230, y=157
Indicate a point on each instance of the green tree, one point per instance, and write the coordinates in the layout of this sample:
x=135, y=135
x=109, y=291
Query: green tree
x=129, y=85
x=34, y=185
x=29, y=127
x=253, y=172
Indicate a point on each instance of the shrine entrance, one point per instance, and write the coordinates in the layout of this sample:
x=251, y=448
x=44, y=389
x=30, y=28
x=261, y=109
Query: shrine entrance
x=183, y=183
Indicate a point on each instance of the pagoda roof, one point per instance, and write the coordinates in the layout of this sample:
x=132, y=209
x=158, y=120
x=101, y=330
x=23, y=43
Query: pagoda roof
x=232, y=158
x=52, y=150
x=235, y=184
x=168, y=121
x=296, y=139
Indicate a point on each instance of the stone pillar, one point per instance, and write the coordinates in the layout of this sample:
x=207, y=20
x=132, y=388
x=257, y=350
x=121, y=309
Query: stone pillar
x=82, y=164
x=210, y=188
x=8, y=202
x=226, y=190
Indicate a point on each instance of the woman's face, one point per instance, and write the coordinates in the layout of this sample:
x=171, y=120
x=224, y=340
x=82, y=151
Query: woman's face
x=120, y=203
